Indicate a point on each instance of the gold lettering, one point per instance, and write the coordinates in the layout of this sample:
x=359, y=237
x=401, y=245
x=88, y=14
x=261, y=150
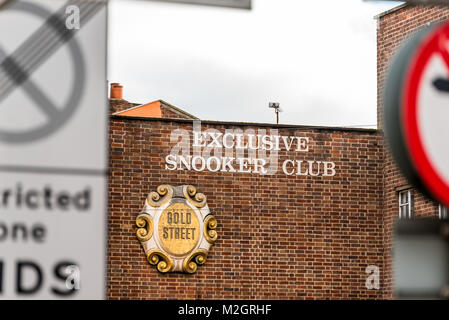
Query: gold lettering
x=179, y=229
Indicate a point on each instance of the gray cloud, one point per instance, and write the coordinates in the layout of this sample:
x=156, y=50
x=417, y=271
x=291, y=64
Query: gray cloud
x=228, y=64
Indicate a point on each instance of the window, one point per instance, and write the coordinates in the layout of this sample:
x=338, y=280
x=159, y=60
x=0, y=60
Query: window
x=443, y=212
x=406, y=204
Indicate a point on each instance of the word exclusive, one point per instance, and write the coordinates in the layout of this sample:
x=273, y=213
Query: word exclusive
x=250, y=141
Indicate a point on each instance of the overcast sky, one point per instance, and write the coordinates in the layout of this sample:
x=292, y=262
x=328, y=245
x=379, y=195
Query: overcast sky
x=316, y=58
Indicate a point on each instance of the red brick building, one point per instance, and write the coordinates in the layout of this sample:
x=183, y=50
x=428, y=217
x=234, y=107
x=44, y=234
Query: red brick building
x=394, y=27
x=307, y=226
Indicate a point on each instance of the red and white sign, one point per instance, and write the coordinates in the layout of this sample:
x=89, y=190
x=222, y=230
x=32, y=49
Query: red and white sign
x=425, y=112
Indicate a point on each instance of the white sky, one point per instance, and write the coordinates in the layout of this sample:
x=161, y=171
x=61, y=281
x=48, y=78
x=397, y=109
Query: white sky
x=317, y=58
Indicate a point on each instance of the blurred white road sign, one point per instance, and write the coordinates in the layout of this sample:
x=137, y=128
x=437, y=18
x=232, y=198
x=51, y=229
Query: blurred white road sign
x=416, y=110
x=53, y=149
x=425, y=112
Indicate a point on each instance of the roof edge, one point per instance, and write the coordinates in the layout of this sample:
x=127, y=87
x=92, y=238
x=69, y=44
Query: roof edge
x=131, y=108
x=164, y=104
x=247, y=124
x=385, y=13
x=176, y=109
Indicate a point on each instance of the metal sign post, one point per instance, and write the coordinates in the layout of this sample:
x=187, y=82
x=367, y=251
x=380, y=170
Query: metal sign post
x=421, y=259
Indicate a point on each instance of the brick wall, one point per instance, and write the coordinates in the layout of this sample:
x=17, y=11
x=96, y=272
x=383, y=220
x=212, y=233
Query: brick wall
x=167, y=113
x=280, y=237
x=117, y=105
x=393, y=29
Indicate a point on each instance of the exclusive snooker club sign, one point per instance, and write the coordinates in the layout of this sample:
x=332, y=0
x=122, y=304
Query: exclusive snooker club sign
x=176, y=228
x=416, y=110
x=237, y=151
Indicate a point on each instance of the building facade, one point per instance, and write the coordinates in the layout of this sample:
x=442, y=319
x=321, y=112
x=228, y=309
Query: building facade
x=303, y=212
x=394, y=27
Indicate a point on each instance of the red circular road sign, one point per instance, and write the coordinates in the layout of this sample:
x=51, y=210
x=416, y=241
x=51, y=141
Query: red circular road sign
x=424, y=111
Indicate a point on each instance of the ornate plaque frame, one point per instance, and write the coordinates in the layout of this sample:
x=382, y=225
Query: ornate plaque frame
x=176, y=228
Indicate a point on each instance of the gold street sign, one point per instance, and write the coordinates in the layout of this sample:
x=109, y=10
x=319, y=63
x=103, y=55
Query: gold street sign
x=176, y=228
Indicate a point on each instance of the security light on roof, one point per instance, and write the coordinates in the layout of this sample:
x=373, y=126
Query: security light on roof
x=277, y=109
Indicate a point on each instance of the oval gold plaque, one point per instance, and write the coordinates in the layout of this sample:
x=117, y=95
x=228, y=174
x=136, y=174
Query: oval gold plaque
x=177, y=238
x=179, y=229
